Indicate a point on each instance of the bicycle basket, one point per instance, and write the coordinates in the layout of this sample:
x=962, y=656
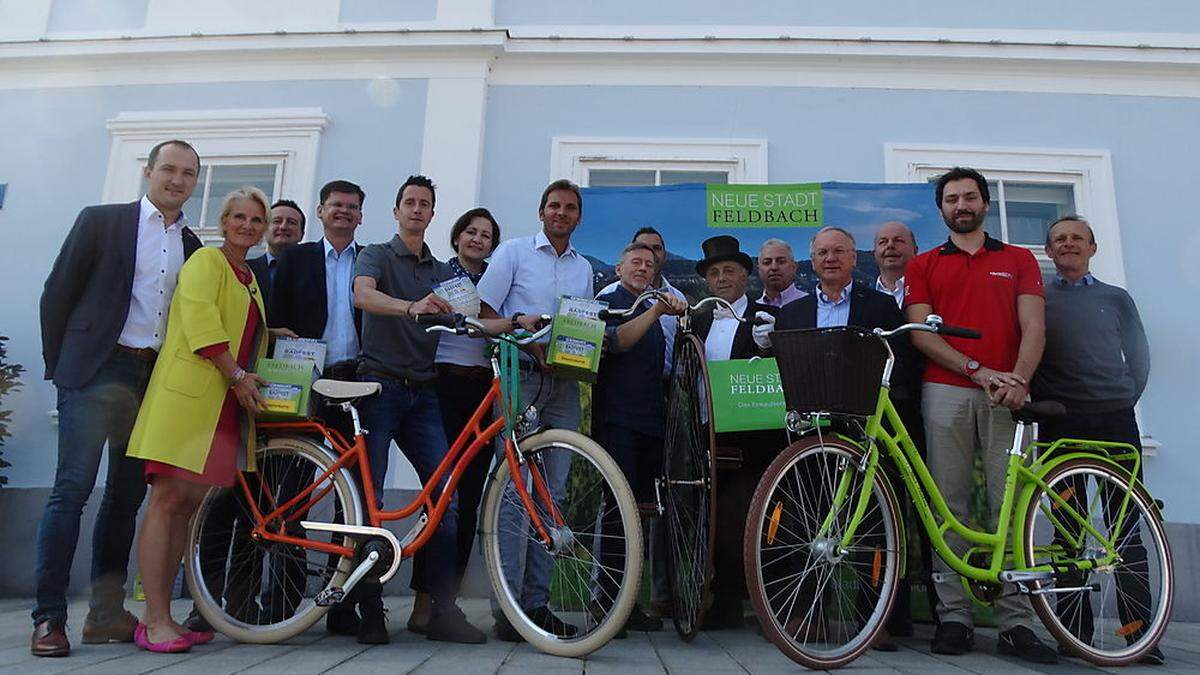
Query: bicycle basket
x=836, y=370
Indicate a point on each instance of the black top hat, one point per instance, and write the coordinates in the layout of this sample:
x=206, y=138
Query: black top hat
x=722, y=248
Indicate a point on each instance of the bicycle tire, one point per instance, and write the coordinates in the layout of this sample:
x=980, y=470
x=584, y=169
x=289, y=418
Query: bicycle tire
x=592, y=480
x=1071, y=480
x=812, y=467
x=287, y=464
x=688, y=486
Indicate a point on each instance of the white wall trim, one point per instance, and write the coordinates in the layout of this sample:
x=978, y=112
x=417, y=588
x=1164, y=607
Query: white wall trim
x=746, y=159
x=287, y=135
x=1119, y=67
x=452, y=152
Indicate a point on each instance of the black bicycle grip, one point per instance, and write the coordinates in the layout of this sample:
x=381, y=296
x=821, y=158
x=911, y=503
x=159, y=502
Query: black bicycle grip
x=447, y=320
x=956, y=331
x=605, y=315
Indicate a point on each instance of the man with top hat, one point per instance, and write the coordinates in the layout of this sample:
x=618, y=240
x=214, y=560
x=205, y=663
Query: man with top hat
x=741, y=457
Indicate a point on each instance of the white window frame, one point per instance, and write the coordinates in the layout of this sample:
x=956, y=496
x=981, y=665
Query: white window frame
x=745, y=160
x=1089, y=172
x=286, y=137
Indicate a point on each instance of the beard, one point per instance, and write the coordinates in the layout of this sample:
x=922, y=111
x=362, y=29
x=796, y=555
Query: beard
x=961, y=227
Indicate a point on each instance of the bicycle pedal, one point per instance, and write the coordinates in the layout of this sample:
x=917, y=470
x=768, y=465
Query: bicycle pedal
x=330, y=596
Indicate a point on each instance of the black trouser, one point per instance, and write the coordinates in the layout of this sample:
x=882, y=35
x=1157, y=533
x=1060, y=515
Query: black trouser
x=1075, y=609
x=459, y=390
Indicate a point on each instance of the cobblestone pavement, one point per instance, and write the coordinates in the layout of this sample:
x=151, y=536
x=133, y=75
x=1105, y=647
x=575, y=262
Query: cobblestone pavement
x=741, y=651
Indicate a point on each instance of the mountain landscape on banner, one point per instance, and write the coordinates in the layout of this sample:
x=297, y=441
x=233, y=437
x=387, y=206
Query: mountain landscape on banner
x=612, y=215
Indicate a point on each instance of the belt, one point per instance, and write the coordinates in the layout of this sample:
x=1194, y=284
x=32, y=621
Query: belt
x=143, y=353
x=467, y=372
x=342, y=370
x=392, y=379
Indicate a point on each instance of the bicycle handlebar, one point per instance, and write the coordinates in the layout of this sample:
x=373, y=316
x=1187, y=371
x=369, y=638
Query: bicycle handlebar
x=656, y=294
x=457, y=324
x=932, y=324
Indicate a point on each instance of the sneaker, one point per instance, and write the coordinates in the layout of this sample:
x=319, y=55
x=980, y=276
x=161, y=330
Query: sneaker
x=1023, y=644
x=1154, y=657
x=451, y=625
x=503, y=629
x=547, y=621
x=372, y=630
x=342, y=619
x=642, y=622
x=952, y=638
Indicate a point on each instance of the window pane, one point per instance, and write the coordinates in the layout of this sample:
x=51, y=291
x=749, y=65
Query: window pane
x=676, y=177
x=620, y=177
x=191, y=208
x=1033, y=206
x=228, y=178
x=991, y=224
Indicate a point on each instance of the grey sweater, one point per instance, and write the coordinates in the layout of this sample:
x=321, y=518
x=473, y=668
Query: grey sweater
x=1096, y=359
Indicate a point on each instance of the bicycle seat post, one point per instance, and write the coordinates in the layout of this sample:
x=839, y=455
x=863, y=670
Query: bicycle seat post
x=348, y=407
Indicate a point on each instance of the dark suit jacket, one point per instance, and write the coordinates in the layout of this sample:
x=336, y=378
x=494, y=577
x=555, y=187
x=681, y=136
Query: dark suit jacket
x=297, y=296
x=85, y=301
x=262, y=274
x=743, y=339
x=868, y=309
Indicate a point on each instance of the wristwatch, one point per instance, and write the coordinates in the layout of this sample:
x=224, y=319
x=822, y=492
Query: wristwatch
x=970, y=367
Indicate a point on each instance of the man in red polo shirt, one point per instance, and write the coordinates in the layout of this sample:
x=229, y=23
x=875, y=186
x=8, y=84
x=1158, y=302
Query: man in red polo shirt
x=977, y=282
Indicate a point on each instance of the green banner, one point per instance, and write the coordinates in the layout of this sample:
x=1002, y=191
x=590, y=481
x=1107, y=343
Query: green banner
x=795, y=205
x=746, y=395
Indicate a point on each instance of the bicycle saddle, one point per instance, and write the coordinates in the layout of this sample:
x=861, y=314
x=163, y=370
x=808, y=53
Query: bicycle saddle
x=340, y=390
x=1038, y=411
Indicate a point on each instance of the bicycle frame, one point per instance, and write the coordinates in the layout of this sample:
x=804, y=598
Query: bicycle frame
x=473, y=438
x=1026, y=468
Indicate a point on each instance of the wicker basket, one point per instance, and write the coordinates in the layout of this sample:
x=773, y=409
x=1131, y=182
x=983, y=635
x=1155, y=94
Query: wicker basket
x=835, y=370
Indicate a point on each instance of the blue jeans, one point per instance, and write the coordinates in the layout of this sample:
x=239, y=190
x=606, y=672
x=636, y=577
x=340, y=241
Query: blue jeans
x=89, y=417
x=558, y=407
x=412, y=417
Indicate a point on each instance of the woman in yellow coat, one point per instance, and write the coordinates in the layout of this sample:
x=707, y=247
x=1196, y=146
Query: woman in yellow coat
x=195, y=428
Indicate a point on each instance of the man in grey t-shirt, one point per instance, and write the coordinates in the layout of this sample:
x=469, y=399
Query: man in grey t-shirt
x=393, y=282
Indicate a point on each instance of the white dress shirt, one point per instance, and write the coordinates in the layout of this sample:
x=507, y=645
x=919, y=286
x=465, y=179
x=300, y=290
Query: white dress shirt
x=897, y=292
x=527, y=275
x=719, y=344
x=668, y=322
x=155, y=272
x=341, y=340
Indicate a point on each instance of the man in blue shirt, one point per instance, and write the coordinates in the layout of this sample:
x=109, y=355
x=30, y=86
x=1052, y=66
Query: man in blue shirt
x=628, y=408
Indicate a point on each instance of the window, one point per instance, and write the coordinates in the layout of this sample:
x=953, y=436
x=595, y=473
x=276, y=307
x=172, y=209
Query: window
x=1030, y=189
x=598, y=162
x=274, y=150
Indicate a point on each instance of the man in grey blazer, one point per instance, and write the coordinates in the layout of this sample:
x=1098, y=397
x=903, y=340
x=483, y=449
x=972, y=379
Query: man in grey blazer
x=103, y=312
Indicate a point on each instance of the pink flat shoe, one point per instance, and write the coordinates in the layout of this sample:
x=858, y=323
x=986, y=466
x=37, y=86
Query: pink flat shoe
x=199, y=637
x=141, y=639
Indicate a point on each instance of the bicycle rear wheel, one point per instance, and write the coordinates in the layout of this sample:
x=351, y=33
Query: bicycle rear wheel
x=688, y=485
x=258, y=591
x=819, y=603
x=572, y=599
x=1129, y=609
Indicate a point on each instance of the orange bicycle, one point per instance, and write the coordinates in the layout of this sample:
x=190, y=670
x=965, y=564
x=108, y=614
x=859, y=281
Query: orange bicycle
x=307, y=526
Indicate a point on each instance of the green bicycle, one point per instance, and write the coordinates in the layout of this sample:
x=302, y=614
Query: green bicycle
x=1077, y=533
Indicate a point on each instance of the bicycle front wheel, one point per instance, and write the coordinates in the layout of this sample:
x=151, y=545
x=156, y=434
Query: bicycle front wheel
x=819, y=602
x=687, y=486
x=571, y=598
x=1125, y=606
x=258, y=591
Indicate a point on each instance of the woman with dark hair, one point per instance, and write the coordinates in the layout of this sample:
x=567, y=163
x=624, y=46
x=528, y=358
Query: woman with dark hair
x=463, y=377
x=195, y=428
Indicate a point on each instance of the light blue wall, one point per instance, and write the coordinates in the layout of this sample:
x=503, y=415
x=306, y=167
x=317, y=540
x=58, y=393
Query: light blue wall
x=57, y=163
x=1101, y=15
x=70, y=16
x=838, y=134
x=387, y=10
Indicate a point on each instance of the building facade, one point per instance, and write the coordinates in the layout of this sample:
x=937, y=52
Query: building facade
x=1068, y=109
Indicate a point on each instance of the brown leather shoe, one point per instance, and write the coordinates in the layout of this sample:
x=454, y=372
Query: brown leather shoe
x=50, y=639
x=118, y=628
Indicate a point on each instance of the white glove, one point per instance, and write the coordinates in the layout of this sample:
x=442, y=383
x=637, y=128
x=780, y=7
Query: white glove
x=762, y=332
